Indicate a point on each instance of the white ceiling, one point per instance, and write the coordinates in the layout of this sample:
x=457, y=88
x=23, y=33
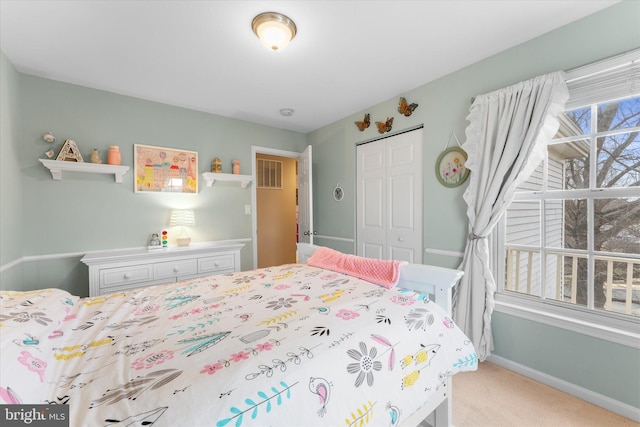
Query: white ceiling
x=346, y=57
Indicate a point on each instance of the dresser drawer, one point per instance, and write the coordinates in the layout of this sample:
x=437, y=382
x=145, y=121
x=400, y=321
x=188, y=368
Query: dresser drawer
x=175, y=268
x=126, y=269
x=110, y=277
x=213, y=264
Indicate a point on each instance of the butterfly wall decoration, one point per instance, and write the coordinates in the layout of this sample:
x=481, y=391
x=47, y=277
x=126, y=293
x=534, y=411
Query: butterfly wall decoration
x=364, y=123
x=385, y=126
x=405, y=108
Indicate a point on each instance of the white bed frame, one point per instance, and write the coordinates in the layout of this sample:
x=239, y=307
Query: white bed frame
x=438, y=283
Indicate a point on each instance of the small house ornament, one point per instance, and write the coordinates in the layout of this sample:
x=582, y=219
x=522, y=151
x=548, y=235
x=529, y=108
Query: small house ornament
x=216, y=165
x=70, y=152
x=236, y=167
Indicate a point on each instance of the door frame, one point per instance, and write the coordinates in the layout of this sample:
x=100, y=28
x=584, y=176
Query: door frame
x=255, y=150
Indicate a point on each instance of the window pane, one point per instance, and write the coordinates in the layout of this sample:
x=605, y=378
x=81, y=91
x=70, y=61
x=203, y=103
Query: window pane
x=617, y=285
x=534, y=182
x=573, y=273
x=569, y=162
x=566, y=278
x=617, y=225
x=523, y=271
x=574, y=123
x=575, y=224
x=621, y=114
x=523, y=223
x=554, y=221
x=619, y=160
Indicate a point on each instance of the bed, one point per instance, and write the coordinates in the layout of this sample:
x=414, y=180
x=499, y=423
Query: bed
x=290, y=345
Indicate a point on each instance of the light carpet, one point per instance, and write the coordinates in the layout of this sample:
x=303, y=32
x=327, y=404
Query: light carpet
x=496, y=397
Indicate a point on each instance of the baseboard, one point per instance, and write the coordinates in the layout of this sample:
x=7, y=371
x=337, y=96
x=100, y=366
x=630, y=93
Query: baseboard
x=587, y=395
x=54, y=256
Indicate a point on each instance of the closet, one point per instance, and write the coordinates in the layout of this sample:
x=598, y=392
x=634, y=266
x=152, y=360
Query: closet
x=389, y=197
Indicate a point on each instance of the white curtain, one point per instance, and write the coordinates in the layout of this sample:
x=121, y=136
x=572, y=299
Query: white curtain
x=505, y=142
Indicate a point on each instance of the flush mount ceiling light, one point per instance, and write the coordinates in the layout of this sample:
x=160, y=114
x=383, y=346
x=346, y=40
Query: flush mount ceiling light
x=274, y=30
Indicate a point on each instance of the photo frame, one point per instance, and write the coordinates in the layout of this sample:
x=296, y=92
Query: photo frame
x=450, y=167
x=165, y=170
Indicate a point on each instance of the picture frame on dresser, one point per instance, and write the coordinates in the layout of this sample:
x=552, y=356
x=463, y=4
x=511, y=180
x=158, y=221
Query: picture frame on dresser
x=164, y=170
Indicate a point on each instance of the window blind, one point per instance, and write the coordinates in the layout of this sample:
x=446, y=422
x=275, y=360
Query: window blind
x=614, y=78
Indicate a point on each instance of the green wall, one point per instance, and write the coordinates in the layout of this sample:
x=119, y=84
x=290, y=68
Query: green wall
x=88, y=212
x=443, y=106
x=11, y=223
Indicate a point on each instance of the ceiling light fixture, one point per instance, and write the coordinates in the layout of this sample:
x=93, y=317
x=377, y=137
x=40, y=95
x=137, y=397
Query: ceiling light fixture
x=274, y=30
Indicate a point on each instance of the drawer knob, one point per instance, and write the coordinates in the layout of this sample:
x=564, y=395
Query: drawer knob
x=176, y=269
x=127, y=276
x=216, y=264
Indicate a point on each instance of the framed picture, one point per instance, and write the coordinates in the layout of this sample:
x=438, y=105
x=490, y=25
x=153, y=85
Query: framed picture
x=165, y=170
x=450, y=168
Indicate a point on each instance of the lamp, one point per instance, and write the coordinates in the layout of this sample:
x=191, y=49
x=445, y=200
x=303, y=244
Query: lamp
x=274, y=30
x=182, y=218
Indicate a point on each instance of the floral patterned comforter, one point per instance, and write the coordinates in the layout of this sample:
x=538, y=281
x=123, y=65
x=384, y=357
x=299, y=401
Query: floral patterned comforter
x=283, y=346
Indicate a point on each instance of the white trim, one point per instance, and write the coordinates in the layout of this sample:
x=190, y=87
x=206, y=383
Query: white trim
x=11, y=264
x=63, y=255
x=339, y=239
x=444, y=252
x=590, y=396
x=255, y=150
x=603, y=332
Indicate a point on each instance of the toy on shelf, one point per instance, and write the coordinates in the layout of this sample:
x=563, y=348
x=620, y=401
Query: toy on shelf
x=216, y=165
x=95, y=156
x=70, y=152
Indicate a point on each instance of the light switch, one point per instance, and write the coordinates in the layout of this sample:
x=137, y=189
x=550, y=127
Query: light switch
x=247, y=209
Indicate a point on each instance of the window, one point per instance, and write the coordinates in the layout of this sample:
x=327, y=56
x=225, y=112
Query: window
x=570, y=241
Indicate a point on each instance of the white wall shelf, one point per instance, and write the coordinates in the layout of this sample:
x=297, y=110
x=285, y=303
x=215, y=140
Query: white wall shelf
x=210, y=178
x=56, y=167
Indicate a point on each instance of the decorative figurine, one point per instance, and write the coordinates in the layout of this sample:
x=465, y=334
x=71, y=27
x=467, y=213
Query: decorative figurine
x=155, y=240
x=385, y=126
x=405, y=108
x=70, y=152
x=216, y=165
x=48, y=137
x=236, y=167
x=95, y=156
x=364, y=123
x=113, y=157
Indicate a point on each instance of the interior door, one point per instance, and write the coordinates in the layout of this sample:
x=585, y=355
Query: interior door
x=389, y=198
x=305, y=197
x=371, y=200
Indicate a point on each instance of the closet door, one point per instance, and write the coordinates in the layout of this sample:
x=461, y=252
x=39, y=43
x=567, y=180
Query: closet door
x=389, y=199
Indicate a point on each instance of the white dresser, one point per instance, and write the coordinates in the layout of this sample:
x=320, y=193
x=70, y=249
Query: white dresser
x=126, y=269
